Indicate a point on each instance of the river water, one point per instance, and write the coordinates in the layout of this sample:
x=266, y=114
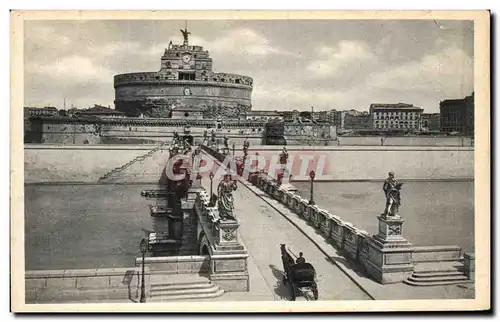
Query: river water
x=93, y=226
x=435, y=213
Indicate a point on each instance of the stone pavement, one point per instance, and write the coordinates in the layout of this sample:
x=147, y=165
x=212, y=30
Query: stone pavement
x=377, y=291
x=265, y=223
x=262, y=230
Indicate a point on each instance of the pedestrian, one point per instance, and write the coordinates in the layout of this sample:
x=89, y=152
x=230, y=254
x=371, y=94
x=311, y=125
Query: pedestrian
x=300, y=259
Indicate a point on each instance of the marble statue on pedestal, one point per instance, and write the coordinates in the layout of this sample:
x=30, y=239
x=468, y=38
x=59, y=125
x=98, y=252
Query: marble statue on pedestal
x=205, y=137
x=283, y=158
x=225, y=199
x=392, y=190
x=246, y=145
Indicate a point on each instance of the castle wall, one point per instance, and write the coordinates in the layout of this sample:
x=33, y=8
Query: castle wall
x=155, y=98
x=137, y=132
x=198, y=92
x=70, y=133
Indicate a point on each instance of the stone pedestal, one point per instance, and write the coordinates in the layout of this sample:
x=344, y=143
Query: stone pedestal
x=470, y=265
x=175, y=226
x=227, y=233
x=389, y=257
x=228, y=262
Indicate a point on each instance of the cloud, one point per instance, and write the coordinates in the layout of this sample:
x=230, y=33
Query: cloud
x=241, y=41
x=115, y=48
x=294, y=64
x=288, y=98
x=448, y=73
x=73, y=69
x=247, y=42
x=347, y=54
x=45, y=35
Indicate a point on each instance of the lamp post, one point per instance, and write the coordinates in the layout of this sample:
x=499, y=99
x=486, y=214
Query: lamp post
x=234, y=149
x=312, y=174
x=144, y=248
x=211, y=176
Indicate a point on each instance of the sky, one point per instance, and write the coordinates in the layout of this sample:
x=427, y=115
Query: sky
x=295, y=64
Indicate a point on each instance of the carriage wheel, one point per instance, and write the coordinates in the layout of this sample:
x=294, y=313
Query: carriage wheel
x=315, y=291
x=294, y=293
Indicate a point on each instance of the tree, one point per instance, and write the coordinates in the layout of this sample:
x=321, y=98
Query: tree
x=305, y=115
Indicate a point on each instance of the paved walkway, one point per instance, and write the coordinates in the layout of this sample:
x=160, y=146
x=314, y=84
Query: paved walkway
x=262, y=230
x=265, y=223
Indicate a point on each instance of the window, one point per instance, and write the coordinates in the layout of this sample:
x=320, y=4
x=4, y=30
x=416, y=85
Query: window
x=186, y=76
x=237, y=81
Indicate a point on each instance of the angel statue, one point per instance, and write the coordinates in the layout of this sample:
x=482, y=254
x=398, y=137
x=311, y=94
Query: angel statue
x=225, y=199
x=392, y=190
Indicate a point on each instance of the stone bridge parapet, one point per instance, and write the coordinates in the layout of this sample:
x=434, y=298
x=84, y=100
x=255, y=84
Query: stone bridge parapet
x=218, y=239
x=385, y=256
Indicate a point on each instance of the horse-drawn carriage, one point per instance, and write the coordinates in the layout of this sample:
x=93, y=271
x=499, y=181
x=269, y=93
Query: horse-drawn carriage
x=300, y=276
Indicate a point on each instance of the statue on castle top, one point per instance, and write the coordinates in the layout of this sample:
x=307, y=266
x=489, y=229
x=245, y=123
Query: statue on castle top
x=392, y=190
x=185, y=34
x=225, y=199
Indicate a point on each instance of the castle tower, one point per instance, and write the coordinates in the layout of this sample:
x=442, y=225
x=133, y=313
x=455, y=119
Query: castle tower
x=184, y=87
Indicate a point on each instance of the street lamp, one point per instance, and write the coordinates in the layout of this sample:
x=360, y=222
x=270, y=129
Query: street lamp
x=312, y=174
x=211, y=176
x=234, y=149
x=144, y=246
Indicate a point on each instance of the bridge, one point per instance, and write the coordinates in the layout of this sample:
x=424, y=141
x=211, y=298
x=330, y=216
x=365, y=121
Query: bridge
x=351, y=263
x=201, y=257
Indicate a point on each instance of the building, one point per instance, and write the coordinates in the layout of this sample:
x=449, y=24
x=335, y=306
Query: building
x=37, y=111
x=99, y=111
x=355, y=121
x=395, y=117
x=290, y=116
x=430, y=122
x=457, y=115
x=265, y=115
x=295, y=133
x=185, y=80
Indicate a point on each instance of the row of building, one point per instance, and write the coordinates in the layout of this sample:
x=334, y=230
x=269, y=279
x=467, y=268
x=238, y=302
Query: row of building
x=456, y=116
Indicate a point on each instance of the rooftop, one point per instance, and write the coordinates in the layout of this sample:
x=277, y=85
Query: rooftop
x=392, y=105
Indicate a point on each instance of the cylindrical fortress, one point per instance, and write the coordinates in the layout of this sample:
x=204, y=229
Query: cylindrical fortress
x=184, y=87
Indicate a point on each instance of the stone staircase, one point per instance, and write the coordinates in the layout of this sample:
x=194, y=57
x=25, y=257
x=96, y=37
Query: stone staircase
x=438, y=273
x=178, y=287
x=144, y=168
x=438, y=265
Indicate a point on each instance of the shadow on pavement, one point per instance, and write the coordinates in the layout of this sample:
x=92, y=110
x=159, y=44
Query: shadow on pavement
x=280, y=289
x=353, y=267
